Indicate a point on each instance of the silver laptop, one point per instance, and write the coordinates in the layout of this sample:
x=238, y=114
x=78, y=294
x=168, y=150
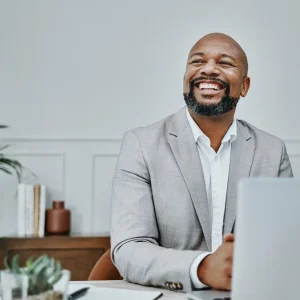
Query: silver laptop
x=267, y=242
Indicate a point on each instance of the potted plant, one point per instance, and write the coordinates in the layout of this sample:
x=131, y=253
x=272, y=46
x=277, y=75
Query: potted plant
x=40, y=279
x=8, y=165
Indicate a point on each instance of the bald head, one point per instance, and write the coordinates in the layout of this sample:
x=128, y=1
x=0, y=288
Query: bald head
x=227, y=41
x=216, y=76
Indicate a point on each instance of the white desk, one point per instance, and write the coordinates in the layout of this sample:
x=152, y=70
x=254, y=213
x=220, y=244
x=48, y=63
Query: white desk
x=122, y=284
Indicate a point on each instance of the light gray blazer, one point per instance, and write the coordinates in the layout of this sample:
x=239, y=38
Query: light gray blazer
x=160, y=214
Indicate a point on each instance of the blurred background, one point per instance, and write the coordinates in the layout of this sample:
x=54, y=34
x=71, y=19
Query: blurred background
x=75, y=75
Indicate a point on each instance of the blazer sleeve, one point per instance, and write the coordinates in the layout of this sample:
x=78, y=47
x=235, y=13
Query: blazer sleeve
x=135, y=248
x=285, y=169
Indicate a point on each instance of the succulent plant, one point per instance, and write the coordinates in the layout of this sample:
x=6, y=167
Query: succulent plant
x=42, y=273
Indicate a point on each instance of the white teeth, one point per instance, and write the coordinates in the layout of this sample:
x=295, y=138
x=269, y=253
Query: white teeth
x=209, y=86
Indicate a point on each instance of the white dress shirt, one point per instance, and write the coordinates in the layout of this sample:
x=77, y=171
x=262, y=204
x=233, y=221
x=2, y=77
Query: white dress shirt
x=215, y=169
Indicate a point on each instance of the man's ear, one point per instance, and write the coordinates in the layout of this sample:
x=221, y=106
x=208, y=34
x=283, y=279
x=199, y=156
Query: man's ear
x=246, y=86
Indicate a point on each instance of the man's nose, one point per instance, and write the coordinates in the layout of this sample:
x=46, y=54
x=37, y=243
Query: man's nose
x=210, y=69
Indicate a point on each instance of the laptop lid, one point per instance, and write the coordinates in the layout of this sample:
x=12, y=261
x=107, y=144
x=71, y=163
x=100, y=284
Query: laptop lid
x=267, y=240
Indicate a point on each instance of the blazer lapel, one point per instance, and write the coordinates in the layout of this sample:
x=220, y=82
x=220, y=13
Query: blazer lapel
x=185, y=151
x=242, y=153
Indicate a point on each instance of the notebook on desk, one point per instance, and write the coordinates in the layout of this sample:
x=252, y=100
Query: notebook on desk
x=112, y=293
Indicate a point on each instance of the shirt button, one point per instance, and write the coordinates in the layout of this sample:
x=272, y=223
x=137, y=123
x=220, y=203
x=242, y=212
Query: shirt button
x=216, y=158
x=179, y=286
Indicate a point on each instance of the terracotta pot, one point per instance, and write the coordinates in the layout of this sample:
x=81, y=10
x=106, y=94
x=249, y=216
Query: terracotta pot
x=58, y=219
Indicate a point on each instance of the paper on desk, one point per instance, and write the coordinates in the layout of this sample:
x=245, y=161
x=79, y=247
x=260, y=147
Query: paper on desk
x=113, y=293
x=75, y=287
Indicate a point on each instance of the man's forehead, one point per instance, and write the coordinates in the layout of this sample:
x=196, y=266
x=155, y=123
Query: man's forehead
x=215, y=46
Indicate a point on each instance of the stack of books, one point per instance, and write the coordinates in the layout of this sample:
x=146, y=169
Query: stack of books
x=31, y=210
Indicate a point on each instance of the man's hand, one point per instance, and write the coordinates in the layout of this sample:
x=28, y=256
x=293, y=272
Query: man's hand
x=215, y=270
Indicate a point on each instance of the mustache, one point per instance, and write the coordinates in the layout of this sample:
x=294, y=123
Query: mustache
x=225, y=84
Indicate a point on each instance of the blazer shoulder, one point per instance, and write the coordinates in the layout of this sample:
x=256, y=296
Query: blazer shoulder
x=153, y=131
x=259, y=135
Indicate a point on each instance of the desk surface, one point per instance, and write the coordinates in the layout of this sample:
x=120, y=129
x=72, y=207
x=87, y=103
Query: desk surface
x=167, y=295
x=122, y=284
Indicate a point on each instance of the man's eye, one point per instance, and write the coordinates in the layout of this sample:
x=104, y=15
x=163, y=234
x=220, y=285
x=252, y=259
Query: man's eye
x=225, y=63
x=197, y=61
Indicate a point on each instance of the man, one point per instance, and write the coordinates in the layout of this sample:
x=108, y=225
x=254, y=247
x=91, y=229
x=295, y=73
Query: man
x=174, y=190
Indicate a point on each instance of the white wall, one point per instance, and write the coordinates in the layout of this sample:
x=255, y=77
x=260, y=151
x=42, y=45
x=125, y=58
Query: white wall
x=75, y=75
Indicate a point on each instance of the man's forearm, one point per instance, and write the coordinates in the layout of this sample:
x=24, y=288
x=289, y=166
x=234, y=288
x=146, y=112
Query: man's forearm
x=146, y=263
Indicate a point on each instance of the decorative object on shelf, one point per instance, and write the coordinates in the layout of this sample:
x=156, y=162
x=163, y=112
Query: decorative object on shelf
x=58, y=219
x=6, y=164
x=40, y=279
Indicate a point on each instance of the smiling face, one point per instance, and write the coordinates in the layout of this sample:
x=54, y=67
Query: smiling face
x=216, y=75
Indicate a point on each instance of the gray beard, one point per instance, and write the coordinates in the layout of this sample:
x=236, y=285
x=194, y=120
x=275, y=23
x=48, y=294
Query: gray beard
x=226, y=104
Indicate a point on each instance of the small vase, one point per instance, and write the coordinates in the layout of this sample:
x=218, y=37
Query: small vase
x=58, y=219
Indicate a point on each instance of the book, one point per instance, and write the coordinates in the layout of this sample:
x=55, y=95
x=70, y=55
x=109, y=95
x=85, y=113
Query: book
x=29, y=210
x=36, y=210
x=21, y=210
x=31, y=206
x=42, y=214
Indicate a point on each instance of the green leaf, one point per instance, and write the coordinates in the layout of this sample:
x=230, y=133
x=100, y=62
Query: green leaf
x=38, y=261
x=5, y=170
x=57, y=275
x=4, y=147
x=14, y=164
x=29, y=262
x=51, y=268
x=10, y=162
x=40, y=267
x=15, y=264
x=6, y=264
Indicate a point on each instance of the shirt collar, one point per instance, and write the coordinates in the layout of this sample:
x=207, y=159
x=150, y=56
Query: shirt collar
x=198, y=133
